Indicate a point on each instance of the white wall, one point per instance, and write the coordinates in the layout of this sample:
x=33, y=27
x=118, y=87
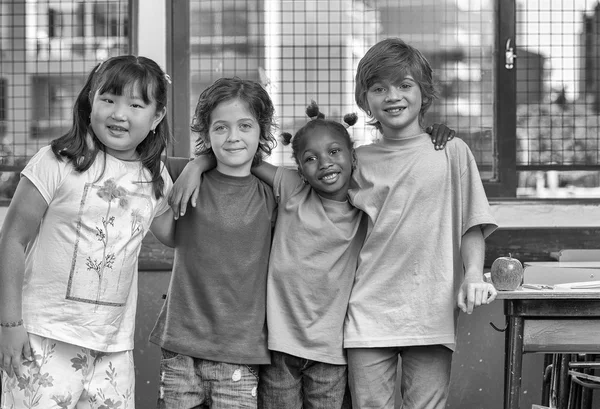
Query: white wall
x=152, y=32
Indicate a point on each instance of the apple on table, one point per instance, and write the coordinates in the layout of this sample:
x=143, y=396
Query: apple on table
x=507, y=273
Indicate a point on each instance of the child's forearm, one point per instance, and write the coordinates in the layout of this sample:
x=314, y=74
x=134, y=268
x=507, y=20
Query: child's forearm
x=204, y=162
x=265, y=172
x=12, y=266
x=187, y=184
x=472, y=250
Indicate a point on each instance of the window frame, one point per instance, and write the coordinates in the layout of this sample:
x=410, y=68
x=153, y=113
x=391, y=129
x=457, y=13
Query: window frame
x=504, y=183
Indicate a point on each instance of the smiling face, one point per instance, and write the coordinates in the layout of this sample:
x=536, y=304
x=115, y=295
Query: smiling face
x=122, y=122
x=396, y=106
x=325, y=160
x=234, y=135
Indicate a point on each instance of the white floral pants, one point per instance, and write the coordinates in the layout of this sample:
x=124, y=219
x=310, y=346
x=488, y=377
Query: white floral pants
x=67, y=376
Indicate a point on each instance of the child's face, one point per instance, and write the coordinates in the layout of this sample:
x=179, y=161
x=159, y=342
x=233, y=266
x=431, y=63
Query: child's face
x=234, y=135
x=396, y=106
x=122, y=122
x=325, y=160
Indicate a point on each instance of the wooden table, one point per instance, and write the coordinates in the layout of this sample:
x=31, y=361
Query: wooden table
x=546, y=321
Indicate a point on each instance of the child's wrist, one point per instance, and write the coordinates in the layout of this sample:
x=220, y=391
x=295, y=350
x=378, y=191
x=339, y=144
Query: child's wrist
x=474, y=275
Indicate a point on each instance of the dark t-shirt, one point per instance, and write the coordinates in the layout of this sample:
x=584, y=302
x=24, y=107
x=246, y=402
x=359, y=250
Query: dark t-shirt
x=215, y=308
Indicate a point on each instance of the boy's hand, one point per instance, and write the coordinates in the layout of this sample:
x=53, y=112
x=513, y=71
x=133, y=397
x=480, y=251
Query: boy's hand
x=475, y=293
x=14, y=345
x=185, y=189
x=440, y=134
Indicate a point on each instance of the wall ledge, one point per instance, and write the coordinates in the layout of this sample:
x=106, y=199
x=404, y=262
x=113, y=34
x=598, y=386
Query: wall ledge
x=546, y=214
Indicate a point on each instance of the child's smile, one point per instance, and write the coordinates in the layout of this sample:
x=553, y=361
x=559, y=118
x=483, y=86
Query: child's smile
x=396, y=106
x=122, y=122
x=326, y=162
x=234, y=136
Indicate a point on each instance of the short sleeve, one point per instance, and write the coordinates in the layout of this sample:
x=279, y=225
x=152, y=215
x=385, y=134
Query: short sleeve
x=46, y=172
x=286, y=183
x=475, y=206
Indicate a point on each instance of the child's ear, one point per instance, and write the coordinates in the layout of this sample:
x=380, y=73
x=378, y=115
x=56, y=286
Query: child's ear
x=301, y=175
x=354, y=159
x=160, y=114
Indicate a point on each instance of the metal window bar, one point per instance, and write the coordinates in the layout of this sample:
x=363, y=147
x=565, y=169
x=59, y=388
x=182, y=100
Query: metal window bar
x=48, y=48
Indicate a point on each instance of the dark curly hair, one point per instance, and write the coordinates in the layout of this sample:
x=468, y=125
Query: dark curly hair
x=259, y=104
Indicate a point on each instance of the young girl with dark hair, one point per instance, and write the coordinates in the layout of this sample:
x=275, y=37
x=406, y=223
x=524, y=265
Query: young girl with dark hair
x=70, y=241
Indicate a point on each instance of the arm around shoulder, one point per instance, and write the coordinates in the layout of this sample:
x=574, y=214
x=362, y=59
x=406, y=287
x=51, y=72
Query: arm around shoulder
x=187, y=183
x=265, y=172
x=163, y=228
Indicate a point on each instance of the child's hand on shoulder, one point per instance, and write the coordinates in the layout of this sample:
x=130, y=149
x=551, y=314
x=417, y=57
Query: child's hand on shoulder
x=474, y=293
x=440, y=134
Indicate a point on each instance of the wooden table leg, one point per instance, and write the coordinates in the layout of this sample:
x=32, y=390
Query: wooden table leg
x=513, y=362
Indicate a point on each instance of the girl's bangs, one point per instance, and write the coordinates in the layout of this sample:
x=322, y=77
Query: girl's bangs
x=118, y=80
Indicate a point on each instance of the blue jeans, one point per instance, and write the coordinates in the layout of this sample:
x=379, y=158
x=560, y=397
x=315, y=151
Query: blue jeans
x=194, y=383
x=424, y=380
x=295, y=383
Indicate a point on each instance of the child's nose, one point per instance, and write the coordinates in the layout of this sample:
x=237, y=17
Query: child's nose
x=119, y=113
x=325, y=162
x=393, y=93
x=233, y=136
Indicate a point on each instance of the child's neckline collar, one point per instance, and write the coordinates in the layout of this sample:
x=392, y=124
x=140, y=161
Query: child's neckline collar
x=405, y=142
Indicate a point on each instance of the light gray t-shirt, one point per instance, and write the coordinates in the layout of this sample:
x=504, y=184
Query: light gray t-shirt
x=420, y=202
x=311, y=271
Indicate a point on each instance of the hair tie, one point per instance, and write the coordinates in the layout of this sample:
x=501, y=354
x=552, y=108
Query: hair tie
x=312, y=110
x=350, y=119
x=285, y=138
x=98, y=66
x=168, y=79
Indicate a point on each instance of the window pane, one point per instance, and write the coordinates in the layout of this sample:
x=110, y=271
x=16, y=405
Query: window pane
x=558, y=97
x=303, y=50
x=48, y=48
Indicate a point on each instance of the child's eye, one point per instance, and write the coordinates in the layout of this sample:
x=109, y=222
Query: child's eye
x=310, y=159
x=334, y=151
x=378, y=89
x=219, y=128
x=137, y=106
x=246, y=126
x=405, y=86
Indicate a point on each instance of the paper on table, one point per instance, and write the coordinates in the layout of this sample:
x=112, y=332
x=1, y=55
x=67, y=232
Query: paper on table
x=584, y=285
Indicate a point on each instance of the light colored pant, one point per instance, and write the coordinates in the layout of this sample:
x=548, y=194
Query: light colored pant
x=187, y=382
x=424, y=380
x=68, y=376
